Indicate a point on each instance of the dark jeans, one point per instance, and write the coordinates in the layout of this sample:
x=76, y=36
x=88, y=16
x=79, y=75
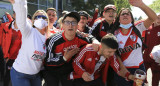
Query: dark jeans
x=7, y=78
x=81, y=82
x=110, y=77
x=53, y=79
x=21, y=79
x=2, y=63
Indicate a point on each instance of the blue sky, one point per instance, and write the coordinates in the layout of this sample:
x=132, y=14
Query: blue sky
x=138, y=12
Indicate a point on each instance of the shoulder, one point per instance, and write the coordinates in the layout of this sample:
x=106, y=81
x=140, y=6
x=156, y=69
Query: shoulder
x=87, y=48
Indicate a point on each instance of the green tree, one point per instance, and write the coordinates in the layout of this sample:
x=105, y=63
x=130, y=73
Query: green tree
x=155, y=6
x=90, y=5
x=121, y=4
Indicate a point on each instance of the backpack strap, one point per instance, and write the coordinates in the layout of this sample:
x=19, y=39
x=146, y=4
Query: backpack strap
x=139, y=35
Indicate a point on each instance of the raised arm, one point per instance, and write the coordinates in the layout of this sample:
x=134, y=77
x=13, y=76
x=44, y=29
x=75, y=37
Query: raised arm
x=20, y=8
x=148, y=11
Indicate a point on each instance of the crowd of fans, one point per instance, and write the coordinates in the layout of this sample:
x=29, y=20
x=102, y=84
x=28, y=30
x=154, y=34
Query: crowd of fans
x=77, y=50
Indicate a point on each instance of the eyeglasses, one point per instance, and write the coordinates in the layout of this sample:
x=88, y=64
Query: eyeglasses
x=128, y=14
x=73, y=23
x=40, y=16
x=110, y=11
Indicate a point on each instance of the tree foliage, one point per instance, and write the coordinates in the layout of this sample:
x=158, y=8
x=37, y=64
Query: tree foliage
x=90, y=5
x=155, y=6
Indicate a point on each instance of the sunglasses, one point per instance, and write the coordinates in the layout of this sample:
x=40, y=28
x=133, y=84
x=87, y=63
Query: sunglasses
x=125, y=14
x=40, y=16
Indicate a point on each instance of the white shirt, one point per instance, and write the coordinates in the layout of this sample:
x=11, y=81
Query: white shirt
x=135, y=58
x=32, y=52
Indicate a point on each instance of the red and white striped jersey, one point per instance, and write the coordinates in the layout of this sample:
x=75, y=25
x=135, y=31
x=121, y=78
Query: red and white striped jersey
x=130, y=46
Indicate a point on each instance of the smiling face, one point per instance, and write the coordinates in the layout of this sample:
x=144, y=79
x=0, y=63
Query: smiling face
x=125, y=17
x=109, y=14
x=70, y=25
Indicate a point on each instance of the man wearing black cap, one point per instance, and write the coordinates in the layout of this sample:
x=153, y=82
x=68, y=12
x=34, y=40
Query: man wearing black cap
x=61, y=50
x=102, y=27
x=82, y=25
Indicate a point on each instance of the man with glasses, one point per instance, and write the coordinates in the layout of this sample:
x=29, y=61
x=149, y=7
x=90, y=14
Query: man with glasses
x=61, y=50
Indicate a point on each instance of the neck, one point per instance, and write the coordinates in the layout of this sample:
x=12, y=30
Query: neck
x=42, y=31
x=15, y=25
x=109, y=22
x=51, y=26
x=124, y=31
x=69, y=37
x=81, y=28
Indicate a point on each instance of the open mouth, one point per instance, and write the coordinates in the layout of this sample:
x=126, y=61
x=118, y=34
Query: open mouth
x=70, y=29
x=125, y=18
x=111, y=16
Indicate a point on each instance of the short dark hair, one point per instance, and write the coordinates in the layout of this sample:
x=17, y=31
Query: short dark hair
x=75, y=15
x=110, y=41
x=83, y=13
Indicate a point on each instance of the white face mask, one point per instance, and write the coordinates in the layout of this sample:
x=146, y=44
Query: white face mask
x=127, y=26
x=40, y=23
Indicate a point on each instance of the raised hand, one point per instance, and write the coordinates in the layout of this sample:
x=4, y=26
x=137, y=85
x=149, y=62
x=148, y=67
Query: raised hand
x=136, y=3
x=12, y=1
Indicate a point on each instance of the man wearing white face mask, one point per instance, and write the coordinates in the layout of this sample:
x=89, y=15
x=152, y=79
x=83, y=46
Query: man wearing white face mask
x=129, y=39
x=32, y=52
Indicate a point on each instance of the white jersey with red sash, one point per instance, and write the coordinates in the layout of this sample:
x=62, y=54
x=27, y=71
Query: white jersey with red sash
x=130, y=47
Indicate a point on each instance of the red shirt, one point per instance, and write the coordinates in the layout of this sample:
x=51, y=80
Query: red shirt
x=11, y=42
x=152, y=38
x=86, y=61
x=56, y=46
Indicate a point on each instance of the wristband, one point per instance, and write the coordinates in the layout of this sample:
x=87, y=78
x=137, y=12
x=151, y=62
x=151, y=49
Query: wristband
x=127, y=76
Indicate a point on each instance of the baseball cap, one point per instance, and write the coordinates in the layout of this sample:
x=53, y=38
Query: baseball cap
x=110, y=6
x=83, y=13
x=72, y=14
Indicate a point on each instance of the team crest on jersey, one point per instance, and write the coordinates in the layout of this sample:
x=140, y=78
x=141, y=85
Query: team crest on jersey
x=133, y=37
x=89, y=59
x=158, y=34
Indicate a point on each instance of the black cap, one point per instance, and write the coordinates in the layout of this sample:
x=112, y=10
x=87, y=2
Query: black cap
x=83, y=13
x=72, y=14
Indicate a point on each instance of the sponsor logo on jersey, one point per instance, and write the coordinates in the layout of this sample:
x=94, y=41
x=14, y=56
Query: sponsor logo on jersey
x=70, y=47
x=38, y=55
x=129, y=48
